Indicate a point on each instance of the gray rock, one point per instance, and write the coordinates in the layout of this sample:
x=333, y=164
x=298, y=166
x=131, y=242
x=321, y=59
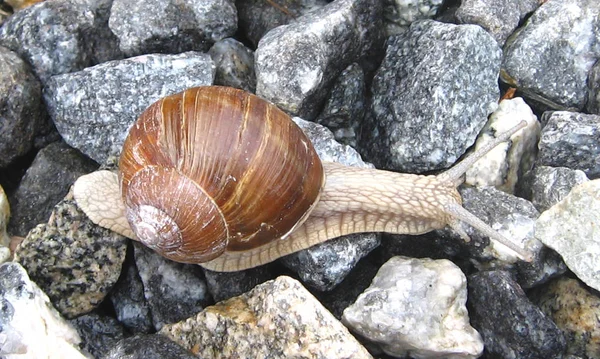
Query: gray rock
x=500, y=19
x=113, y=94
x=547, y=265
x=21, y=104
x=575, y=309
x=174, y=291
x=145, y=27
x=511, y=326
x=546, y=185
x=431, y=96
x=325, y=265
x=234, y=64
x=277, y=319
x=61, y=36
x=129, y=302
x=98, y=333
x=73, y=260
x=416, y=307
x=148, y=347
x=571, y=139
x=593, y=94
x=46, y=182
x=549, y=58
x=345, y=106
x=399, y=14
x=570, y=227
x=257, y=17
x=296, y=64
x=225, y=285
x=30, y=326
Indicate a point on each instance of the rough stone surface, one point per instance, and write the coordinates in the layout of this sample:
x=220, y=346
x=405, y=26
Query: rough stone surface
x=148, y=347
x=46, y=183
x=225, y=285
x=344, y=109
x=546, y=185
x=511, y=326
x=416, y=307
x=174, y=291
x=593, y=94
x=113, y=94
x=549, y=58
x=572, y=140
x=399, y=14
x=278, y=319
x=296, y=64
x=29, y=326
x=61, y=36
x=74, y=261
x=234, y=63
x=98, y=333
x=21, y=104
x=431, y=96
x=570, y=227
x=499, y=18
x=502, y=166
x=575, y=309
x=144, y=27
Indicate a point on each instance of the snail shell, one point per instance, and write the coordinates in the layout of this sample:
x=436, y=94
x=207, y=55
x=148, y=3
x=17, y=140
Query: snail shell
x=213, y=169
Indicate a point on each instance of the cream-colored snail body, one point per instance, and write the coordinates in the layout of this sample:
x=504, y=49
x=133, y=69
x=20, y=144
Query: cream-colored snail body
x=220, y=177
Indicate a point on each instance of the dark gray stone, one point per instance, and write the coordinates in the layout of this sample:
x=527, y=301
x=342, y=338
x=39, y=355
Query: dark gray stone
x=511, y=326
x=154, y=346
x=21, y=107
x=545, y=186
x=111, y=96
x=345, y=106
x=234, y=63
x=174, y=291
x=73, y=260
x=399, y=14
x=431, y=96
x=46, y=182
x=499, y=18
x=98, y=333
x=593, y=94
x=572, y=140
x=151, y=26
x=257, y=17
x=296, y=64
x=61, y=36
x=225, y=285
x=549, y=58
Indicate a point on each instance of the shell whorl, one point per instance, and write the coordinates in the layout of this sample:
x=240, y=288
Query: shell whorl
x=213, y=169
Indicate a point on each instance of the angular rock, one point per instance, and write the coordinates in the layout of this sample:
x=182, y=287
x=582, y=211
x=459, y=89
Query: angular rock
x=416, y=307
x=46, y=182
x=570, y=227
x=546, y=185
x=61, y=36
x=113, y=94
x=225, y=285
x=593, y=94
x=148, y=347
x=345, y=107
x=296, y=64
x=98, y=333
x=30, y=326
x=173, y=291
x=21, y=104
x=73, y=260
x=549, y=58
x=399, y=14
x=511, y=326
x=502, y=166
x=234, y=63
x=277, y=319
x=145, y=27
x=575, y=310
x=570, y=139
x=500, y=19
x=431, y=96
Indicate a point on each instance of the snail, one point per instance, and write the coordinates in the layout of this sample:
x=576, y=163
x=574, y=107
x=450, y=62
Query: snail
x=222, y=178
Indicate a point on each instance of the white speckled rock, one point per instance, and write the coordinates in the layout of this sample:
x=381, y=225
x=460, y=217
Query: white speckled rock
x=30, y=326
x=277, y=319
x=501, y=166
x=571, y=228
x=416, y=307
x=4, y=217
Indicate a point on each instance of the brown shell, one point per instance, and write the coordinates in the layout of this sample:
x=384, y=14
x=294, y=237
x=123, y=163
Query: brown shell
x=218, y=158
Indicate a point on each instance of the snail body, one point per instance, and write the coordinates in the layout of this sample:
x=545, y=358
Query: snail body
x=222, y=178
